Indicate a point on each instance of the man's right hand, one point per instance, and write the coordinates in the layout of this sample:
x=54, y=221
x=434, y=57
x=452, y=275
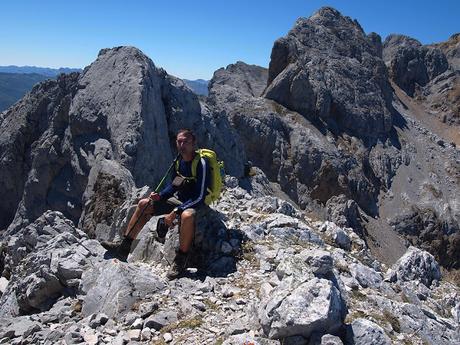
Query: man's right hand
x=154, y=196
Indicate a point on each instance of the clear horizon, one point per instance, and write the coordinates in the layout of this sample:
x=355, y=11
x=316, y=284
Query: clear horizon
x=192, y=40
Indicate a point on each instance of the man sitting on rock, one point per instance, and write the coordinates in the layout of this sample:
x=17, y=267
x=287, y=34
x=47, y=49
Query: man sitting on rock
x=191, y=193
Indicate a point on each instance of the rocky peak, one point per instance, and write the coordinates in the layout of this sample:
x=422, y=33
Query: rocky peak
x=395, y=41
x=412, y=64
x=451, y=48
x=238, y=80
x=316, y=68
x=323, y=122
x=120, y=101
x=427, y=73
x=331, y=22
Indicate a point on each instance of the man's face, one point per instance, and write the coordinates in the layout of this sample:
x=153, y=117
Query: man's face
x=185, y=144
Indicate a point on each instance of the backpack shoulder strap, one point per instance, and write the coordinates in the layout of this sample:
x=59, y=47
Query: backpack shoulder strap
x=195, y=161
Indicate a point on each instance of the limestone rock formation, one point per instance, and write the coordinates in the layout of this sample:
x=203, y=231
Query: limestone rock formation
x=451, y=48
x=310, y=73
x=306, y=163
x=113, y=288
x=287, y=286
x=429, y=73
x=113, y=124
x=416, y=265
x=410, y=63
x=60, y=251
x=313, y=306
x=33, y=122
x=314, y=161
x=363, y=332
x=343, y=212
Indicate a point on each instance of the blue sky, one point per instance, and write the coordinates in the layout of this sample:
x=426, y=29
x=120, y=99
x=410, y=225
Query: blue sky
x=191, y=39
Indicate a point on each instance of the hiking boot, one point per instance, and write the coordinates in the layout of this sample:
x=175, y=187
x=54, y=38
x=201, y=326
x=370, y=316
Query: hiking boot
x=111, y=245
x=178, y=266
x=124, y=249
x=117, y=249
x=162, y=229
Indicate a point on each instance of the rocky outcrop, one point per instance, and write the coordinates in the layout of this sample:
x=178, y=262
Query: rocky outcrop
x=429, y=73
x=363, y=332
x=62, y=253
x=412, y=64
x=288, y=284
x=314, y=163
x=443, y=96
x=112, y=288
x=306, y=163
x=425, y=229
x=314, y=306
x=416, y=265
x=113, y=124
x=33, y=123
x=238, y=80
x=310, y=73
x=343, y=212
x=451, y=48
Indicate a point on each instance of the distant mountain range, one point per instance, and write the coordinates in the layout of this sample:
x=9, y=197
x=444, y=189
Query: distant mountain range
x=199, y=86
x=13, y=86
x=49, y=72
x=16, y=81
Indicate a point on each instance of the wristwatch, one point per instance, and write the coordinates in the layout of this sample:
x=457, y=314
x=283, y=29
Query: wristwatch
x=177, y=211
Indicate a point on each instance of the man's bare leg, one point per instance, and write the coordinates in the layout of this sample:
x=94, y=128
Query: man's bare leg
x=187, y=230
x=139, y=218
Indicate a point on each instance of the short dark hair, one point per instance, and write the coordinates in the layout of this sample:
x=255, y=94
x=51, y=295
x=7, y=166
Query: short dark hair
x=186, y=132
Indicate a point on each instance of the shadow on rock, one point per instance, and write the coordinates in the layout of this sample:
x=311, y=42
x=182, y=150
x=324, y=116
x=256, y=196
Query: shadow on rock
x=214, y=252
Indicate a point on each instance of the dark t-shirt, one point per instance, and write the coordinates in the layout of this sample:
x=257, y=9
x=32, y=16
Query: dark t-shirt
x=193, y=193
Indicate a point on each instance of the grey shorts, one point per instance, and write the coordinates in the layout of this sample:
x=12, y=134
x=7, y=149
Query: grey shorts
x=167, y=206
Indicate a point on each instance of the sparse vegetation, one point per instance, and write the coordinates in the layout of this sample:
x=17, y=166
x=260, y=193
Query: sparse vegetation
x=354, y=315
x=392, y=320
x=358, y=295
x=341, y=267
x=248, y=253
x=404, y=298
x=278, y=108
x=135, y=306
x=210, y=305
x=190, y=323
x=452, y=276
x=77, y=306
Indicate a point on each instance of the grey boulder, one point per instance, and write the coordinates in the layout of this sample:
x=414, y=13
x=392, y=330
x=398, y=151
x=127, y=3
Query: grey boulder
x=292, y=309
x=364, y=332
x=112, y=287
x=415, y=264
x=62, y=253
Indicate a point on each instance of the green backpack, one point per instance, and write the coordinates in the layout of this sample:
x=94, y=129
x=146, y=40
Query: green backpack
x=217, y=173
